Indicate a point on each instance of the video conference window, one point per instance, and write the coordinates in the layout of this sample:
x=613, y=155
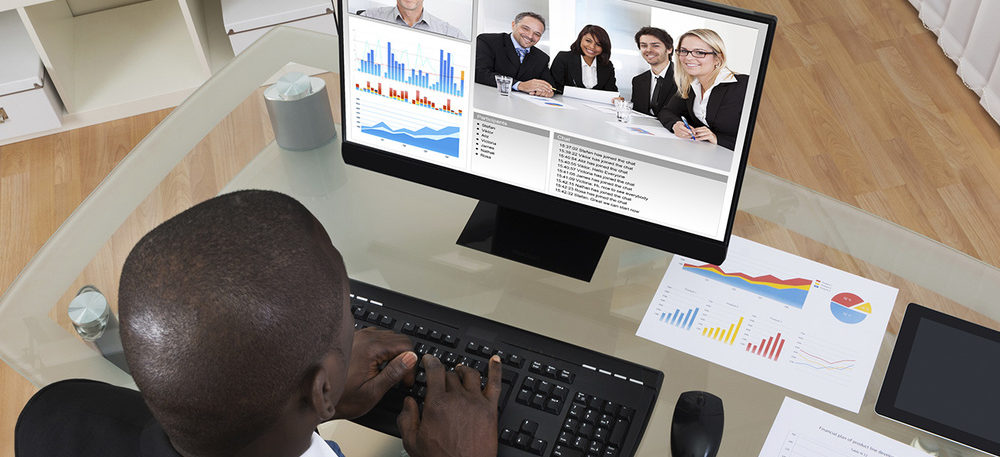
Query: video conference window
x=634, y=107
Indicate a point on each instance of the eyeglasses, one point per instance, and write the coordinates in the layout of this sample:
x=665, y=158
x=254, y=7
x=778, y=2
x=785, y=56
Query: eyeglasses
x=697, y=53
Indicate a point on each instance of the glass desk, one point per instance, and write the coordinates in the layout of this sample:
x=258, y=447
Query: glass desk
x=402, y=236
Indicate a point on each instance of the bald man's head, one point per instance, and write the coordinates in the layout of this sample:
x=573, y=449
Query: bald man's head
x=226, y=311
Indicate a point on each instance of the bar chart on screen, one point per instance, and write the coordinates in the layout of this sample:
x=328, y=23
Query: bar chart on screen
x=767, y=314
x=409, y=95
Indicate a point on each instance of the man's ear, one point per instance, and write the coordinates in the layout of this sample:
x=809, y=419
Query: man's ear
x=323, y=393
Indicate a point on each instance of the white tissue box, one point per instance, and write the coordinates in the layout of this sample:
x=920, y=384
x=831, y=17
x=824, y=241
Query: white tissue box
x=248, y=20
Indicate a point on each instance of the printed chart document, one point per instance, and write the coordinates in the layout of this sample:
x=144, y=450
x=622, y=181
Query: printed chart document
x=775, y=316
x=803, y=431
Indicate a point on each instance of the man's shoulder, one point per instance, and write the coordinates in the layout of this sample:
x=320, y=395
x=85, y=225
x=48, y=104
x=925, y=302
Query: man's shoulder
x=492, y=38
x=644, y=76
x=379, y=12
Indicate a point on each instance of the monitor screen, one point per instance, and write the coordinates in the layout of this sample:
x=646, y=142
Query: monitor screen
x=425, y=99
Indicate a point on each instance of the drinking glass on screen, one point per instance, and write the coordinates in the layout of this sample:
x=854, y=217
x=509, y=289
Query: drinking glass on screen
x=503, y=84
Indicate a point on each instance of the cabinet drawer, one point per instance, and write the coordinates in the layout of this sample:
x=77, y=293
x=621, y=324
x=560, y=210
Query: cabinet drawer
x=30, y=111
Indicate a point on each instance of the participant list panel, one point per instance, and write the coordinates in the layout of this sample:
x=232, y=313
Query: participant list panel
x=510, y=151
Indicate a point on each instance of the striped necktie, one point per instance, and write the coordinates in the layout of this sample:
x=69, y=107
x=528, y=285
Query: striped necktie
x=521, y=53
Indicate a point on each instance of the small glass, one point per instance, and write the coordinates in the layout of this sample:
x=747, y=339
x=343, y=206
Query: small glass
x=504, y=84
x=623, y=110
x=89, y=312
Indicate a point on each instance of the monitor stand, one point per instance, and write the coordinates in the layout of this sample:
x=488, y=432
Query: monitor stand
x=543, y=243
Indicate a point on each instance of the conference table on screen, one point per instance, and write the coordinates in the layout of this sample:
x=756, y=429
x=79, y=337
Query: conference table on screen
x=580, y=118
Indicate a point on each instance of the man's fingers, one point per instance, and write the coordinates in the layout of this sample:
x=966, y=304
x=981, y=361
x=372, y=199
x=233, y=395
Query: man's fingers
x=470, y=377
x=493, y=380
x=408, y=421
x=394, y=372
x=435, y=375
x=451, y=381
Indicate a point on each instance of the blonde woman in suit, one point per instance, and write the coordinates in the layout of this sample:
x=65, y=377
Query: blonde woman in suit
x=709, y=95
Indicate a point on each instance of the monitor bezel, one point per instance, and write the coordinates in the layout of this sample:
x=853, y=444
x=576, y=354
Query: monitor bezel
x=539, y=204
x=885, y=405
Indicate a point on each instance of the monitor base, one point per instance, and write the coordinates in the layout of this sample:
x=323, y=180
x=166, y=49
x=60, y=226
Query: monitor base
x=532, y=240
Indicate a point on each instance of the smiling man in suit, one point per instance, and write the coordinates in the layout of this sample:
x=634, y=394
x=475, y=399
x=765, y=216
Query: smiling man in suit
x=513, y=54
x=651, y=89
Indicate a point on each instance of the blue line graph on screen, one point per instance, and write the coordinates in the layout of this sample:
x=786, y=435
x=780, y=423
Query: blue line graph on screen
x=444, y=140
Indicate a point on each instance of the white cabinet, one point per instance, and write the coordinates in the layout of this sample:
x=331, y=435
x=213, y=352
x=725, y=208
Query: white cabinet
x=28, y=103
x=119, y=61
x=248, y=20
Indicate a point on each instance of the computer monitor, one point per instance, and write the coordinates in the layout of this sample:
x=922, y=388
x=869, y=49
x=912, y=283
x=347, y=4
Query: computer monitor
x=555, y=169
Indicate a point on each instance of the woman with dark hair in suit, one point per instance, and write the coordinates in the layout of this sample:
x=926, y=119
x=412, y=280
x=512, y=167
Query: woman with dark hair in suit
x=587, y=64
x=709, y=95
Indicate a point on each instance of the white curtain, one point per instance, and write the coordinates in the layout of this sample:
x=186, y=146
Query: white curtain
x=968, y=33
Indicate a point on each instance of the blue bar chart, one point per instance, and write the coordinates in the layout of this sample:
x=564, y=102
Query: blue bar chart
x=447, y=79
x=680, y=319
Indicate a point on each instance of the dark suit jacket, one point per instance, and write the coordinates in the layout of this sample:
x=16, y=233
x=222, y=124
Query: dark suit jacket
x=641, y=94
x=87, y=418
x=725, y=108
x=566, y=71
x=495, y=55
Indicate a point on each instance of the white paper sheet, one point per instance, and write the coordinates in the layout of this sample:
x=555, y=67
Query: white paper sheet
x=778, y=317
x=803, y=431
x=599, y=96
x=608, y=108
x=644, y=130
x=542, y=101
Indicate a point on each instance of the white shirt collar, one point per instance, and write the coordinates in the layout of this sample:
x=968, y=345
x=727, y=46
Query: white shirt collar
x=399, y=17
x=662, y=74
x=592, y=64
x=318, y=448
x=724, y=76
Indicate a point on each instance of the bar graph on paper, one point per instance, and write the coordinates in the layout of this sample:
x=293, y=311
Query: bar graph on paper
x=782, y=319
x=409, y=96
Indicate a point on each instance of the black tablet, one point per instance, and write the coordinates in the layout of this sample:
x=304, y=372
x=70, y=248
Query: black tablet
x=944, y=377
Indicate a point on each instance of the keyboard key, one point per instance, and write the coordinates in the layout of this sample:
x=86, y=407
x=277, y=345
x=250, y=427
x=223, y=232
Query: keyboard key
x=450, y=340
x=451, y=359
x=535, y=367
x=529, y=383
x=522, y=441
x=618, y=433
x=551, y=371
x=409, y=328
x=560, y=392
x=571, y=425
x=566, y=376
x=544, y=387
x=387, y=322
x=590, y=416
x=554, y=405
x=372, y=317
x=580, y=398
x=566, y=439
x=600, y=434
x=359, y=312
x=610, y=408
x=538, y=446
x=421, y=377
x=506, y=435
x=485, y=350
x=610, y=451
x=434, y=335
x=566, y=451
x=472, y=347
x=515, y=360
x=421, y=331
x=529, y=427
x=581, y=443
x=524, y=396
x=577, y=411
x=420, y=349
x=586, y=431
x=605, y=421
x=538, y=401
x=626, y=413
x=595, y=447
x=596, y=403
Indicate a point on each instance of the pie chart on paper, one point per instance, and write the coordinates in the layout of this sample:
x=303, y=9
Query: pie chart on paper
x=849, y=308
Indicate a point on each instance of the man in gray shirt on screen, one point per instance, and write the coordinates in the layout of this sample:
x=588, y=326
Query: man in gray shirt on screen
x=411, y=13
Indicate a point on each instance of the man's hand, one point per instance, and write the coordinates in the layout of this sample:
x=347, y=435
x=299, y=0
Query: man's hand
x=366, y=384
x=459, y=419
x=538, y=87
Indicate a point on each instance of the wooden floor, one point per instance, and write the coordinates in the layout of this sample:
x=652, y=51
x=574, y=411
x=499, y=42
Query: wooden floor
x=860, y=103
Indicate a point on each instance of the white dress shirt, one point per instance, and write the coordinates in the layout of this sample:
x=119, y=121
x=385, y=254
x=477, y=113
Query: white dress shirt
x=319, y=448
x=589, y=73
x=700, y=107
x=652, y=81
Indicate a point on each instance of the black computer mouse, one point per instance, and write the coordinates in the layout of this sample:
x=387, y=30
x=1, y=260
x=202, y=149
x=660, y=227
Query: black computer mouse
x=696, y=430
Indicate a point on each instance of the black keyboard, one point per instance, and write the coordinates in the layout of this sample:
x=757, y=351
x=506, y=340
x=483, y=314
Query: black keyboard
x=557, y=399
